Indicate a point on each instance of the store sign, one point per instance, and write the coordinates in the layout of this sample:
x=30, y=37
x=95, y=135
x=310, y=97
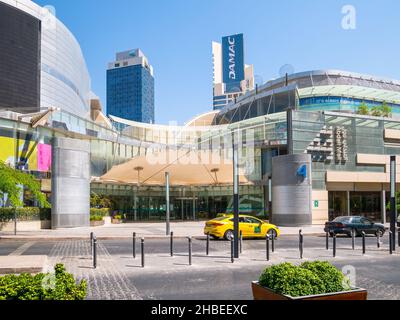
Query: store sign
x=341, y=153
x=316, y=203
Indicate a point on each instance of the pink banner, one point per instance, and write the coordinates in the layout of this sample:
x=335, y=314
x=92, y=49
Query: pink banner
x=44, y=157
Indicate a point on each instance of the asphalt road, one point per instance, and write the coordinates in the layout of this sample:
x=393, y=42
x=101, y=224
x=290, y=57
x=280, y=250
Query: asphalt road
x=381, y=276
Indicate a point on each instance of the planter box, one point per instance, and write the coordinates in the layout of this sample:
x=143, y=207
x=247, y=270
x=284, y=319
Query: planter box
x=25, y=225
x=96, y=223
x=116, y=221
x=262, y=293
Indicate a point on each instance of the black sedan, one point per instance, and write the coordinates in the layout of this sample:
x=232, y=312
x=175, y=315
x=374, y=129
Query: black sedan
x=345, y=225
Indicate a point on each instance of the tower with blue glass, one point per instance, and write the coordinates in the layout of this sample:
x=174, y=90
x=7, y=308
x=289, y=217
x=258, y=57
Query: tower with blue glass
x=130, y=87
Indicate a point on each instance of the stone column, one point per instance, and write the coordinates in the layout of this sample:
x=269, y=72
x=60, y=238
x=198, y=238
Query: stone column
x=70, y=183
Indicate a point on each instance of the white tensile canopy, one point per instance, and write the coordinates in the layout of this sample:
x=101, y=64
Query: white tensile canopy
x=185, y=168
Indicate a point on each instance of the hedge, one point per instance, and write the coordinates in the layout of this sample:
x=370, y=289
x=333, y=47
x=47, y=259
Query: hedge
x=99, y=212
x=94, y=217
x=43, y=286
x=25, y=214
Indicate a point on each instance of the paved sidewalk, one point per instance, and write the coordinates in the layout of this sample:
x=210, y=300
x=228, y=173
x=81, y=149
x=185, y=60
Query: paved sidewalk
x=148, y=230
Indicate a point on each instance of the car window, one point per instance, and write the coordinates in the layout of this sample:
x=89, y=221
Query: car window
x=253, y=220
x=365, y=221
x=342, y=219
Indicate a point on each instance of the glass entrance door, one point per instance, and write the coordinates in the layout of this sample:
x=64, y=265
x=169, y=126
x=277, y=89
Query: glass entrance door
x=185, y=208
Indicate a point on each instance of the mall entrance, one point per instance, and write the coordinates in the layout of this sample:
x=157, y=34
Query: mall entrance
x=185, y=208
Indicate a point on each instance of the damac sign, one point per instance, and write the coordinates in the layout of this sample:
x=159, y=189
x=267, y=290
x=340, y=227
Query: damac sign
x=233, y=62
x=232, y=55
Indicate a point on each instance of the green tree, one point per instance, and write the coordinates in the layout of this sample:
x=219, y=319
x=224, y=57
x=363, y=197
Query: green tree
x=386, y=110
x=100, y=201
x=11, y=182
x=363, y=109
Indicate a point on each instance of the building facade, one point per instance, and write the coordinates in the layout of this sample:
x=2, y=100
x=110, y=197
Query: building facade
x=302, y=143
x=231, y=77
x=130, y=87
x=41, y=62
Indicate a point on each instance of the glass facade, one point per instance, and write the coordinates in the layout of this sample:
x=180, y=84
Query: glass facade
x=346, y=104
x=130, y=93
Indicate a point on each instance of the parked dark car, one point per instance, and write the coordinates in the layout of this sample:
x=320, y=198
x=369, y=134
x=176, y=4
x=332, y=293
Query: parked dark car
x=345, y=225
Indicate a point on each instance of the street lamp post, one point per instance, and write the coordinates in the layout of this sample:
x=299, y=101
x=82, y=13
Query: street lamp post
x=235, y=199
x=393, y=200
x=167, y=214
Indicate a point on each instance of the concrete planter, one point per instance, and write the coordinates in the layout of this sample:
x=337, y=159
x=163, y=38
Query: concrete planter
x=25, y=225
x=96, y=223
x=262, y=293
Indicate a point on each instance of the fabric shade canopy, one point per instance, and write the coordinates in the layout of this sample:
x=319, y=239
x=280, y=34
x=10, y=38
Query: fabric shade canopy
x=186, y=168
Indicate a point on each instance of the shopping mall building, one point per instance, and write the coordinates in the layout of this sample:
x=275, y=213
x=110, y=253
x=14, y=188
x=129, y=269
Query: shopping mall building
x=305, y=156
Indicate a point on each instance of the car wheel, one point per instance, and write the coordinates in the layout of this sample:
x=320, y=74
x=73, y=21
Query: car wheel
x=380, y=232
x=228, y=235
x=331, y=234
x=272, y=233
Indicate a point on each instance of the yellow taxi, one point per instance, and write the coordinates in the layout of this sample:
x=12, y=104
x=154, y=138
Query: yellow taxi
x=251, y=227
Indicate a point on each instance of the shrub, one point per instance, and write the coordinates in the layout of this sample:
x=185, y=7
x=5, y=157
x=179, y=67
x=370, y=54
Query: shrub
x=117, y=217
x=45, y=213
x=307, y=279
x=96, y=218
x=99, y=212
x=333, y=279
x=42, y=286
x=23, y=214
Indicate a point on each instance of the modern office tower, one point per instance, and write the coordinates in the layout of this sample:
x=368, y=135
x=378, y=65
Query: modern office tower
x=232, y=78
x=130, y=87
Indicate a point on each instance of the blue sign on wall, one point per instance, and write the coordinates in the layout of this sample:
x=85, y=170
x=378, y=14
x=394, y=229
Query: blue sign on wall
x=233, y=62
x=302, y=171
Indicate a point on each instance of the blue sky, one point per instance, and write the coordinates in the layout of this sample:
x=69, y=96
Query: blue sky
x=176, y=36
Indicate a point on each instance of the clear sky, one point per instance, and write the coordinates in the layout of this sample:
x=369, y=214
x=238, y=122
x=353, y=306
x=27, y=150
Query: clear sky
x=176, y=36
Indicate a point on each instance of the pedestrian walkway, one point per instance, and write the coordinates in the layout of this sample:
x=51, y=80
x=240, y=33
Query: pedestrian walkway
x=125, y=230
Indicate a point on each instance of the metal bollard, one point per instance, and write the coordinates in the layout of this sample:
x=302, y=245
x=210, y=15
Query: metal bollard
x=301, y=244
x=390, y=242
x=353, y=238
x=378, y=239
x=91, y=243
x=327, y=240
x=398, y=236
x=142, y=251
x=94, y=252
x=272, y=243
x=190, y=250
x=240, y=241
x=208, y=244
x=171, y=244
x=134, y=245
x=232, y=251
x=363, y=242
x=334, y=245
x=267, y=246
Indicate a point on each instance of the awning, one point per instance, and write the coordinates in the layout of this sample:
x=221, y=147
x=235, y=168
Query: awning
x=186, y=168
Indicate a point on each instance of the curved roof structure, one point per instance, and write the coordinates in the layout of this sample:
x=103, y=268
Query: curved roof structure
x=283, y=93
